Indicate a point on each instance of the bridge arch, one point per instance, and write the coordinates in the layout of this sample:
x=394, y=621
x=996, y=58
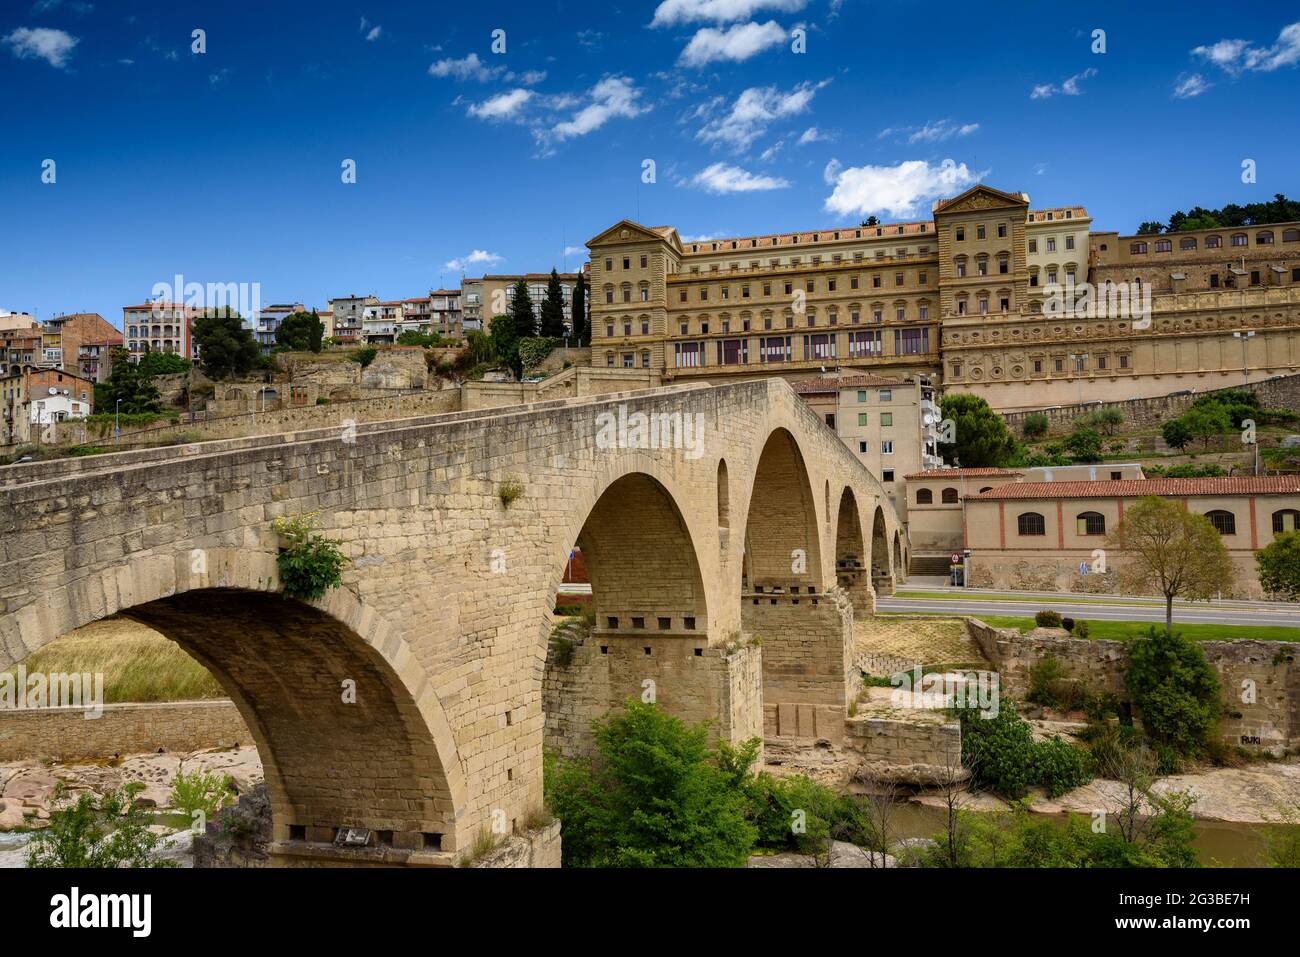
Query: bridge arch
x=782, y=532
x=382, y=759
x=852, y=559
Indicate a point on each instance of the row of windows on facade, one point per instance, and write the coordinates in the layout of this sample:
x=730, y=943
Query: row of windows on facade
x=810, y=320
x=1094, y=523
x=777, y=349
x=1264, y=237
x=816, y=237
x=1080, y=364
x=1256, y=279
x=886, y=422
x=810, y=285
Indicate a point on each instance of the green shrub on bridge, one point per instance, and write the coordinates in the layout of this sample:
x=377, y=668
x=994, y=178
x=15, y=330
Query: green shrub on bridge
x=310, y=564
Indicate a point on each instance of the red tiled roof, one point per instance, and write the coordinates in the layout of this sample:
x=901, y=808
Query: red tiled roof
x=828, y=384
x=973, y=473
x=1131, y=488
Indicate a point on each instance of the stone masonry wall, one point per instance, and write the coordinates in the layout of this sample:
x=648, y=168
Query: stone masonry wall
x=66, y=734
x=899, y=740
x=1260, y=680
x=1280, y=393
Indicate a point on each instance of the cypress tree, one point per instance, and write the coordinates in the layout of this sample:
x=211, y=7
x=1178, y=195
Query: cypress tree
x=521, y=311
x=553, y=308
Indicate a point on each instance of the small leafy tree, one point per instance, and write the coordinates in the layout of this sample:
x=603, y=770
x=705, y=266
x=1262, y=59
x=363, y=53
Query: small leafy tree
x=1172, y=552
x=980, y=435
x=1279, y=566
x=364, y=356
x=200, y=791
x=300, y=332
x=108, y=831
x=1176, y=690
x=130, y=384
x=1036, y=425
x=1084, y=445
x=162, y=363
x=226, y=346
x=503, y=332
x=1207, y=422
x=1176, y=434
x=309, y=563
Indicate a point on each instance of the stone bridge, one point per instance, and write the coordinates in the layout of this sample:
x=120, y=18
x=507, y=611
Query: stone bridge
x=726, y=566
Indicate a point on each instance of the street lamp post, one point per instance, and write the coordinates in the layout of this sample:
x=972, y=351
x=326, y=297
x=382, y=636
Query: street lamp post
x=1245, y=338
x=117, y=418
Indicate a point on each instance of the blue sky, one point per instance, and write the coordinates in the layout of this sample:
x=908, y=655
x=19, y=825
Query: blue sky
x=225, y=166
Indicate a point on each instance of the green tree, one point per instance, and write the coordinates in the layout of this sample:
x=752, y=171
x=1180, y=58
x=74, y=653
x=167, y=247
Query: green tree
x=870, y=221
x=226, y=346
x=1084, y=445
x=300, y=332
x=655, y=796
x=162, y=363
x=581, y=326
x=1279, y=566
x=1150, y=228
x=504, y=335
x=521, y=310
x=1171, y=551
x=1036, y=425
x=1176, y=691
x=1176, y=434
x=980, y=436
x=130, y=386
x=1207, y=422
x=553, y=308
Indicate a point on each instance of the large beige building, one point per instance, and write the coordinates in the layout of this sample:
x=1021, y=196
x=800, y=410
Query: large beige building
x=973, y=297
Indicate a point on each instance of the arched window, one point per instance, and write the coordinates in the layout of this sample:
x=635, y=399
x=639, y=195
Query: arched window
x=924, y=497
x=948, y=496
x=1285, y=520
x=1031, y=523
x=1224, y=522
x=1213, y=242
x=1264, y=238
x=1091, y=523
x=986, y=488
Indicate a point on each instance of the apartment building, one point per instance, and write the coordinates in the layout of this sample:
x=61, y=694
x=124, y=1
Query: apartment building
x=379, y=322
x=349, y=313
x=888, y=424
x=268, y=320
x=38, y=397
x=471, y=297
x=160, y=327
x=496, y=293
x=438, y=313
x=79, y=343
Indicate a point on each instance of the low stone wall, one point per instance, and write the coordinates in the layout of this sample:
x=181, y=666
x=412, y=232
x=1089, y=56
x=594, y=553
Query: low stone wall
x=1279, y=393
x=901, y=738
x=66, y=734
x=1010, y=571
x=1260, y=680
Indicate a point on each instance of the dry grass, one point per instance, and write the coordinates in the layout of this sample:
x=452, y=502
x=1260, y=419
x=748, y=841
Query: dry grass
x=927, y=640
x=138, y=664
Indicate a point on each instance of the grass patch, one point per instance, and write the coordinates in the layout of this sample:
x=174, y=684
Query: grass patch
x=1123, y=630
x=138, y=664
x=1063, y=598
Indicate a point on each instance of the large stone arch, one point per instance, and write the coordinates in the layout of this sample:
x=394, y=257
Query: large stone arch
x=882, y=578
x=852, y=558
x=386, y=760
x=782, y=532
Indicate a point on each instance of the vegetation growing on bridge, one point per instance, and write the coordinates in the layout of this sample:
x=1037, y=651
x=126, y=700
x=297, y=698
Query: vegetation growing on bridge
x=310, y=564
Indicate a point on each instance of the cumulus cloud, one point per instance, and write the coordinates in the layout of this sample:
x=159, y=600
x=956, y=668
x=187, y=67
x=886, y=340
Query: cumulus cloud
x=735, y=44
x=612, y=97
x=672, y=12
x=1069, y=86
x=1189, y=85
x=503, y=106
x=897, y=191
x=754, y=110
x=41, y=43
x=468, y=67
x=575, y=250
x=1236, y=56
x=722, y=178
x=932, y=131
x=479, y=257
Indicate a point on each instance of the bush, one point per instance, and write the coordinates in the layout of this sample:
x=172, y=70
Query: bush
x=1035, y=425
x=1080, y=629
x=1059, y=766
x=309, y=564
x=1067, y=623
x=1084, y=445
x=1176, y=433
x=1049, y=682
x=200, y=791
x=510, y=490
x=1177, y=692
x=1048, y=619
x=109, y=831
x=364, y=356
x=1003, y=756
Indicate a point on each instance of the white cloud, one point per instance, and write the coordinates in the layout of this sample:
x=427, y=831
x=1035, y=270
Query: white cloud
x=672, y=12
x=469, y=67
x=932, y=131
x=373, y=35
x=1234, y=56
x=52, y=46
x=479, y=257
x=735, y=44
x=590, y=38
x=612, y=97
x=768, y=154
x=702, y=237
x=503, y=106
x=832, y=171
x=1069, y=86
x=532, y=77
x=898, y=190
x=812, y=135
x=753, y=111
x=575, y=250
x=1189, y=85
x=722, y=178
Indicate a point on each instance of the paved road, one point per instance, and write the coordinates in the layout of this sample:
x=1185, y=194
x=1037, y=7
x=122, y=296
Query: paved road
x=1192, y=615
